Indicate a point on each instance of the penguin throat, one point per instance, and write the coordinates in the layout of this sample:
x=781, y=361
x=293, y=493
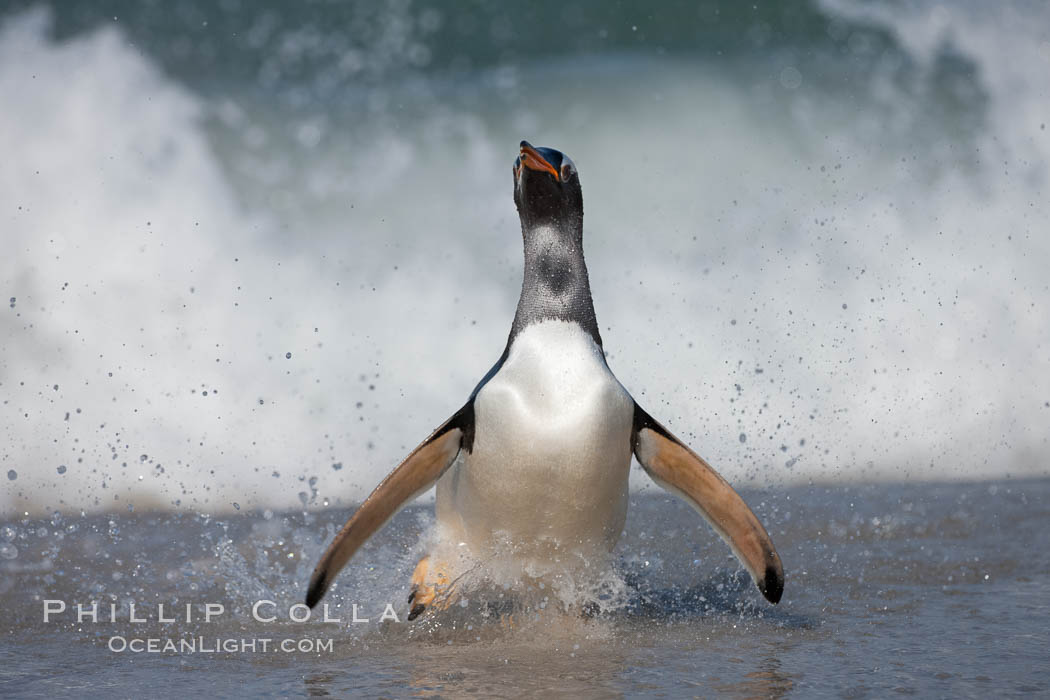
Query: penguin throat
x=555, y=284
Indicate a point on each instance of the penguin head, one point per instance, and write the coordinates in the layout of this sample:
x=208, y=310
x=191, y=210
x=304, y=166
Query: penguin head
x=547, y=189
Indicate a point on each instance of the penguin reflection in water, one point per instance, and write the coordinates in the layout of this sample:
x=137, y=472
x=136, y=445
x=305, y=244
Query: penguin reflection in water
x=533, y=469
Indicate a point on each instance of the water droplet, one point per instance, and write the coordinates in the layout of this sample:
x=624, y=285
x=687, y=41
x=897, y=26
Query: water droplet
x=8, y=551
x=62, y=469
x=287, y=355
x=12, y=474
x=743, y=437
x=791, y=78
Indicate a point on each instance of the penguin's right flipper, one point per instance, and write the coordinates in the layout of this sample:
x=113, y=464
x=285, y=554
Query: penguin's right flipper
x=413, y=476
x=679, y=470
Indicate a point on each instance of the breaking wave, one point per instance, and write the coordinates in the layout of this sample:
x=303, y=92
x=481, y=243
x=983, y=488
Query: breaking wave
x=822, y=264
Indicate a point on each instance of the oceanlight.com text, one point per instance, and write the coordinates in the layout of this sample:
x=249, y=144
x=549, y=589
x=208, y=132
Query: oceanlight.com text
x=216, y=645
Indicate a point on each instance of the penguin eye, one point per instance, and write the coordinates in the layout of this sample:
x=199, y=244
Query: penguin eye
x=567, y=169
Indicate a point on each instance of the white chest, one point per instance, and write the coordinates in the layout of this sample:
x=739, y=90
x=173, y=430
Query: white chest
x=551, y=446
x=553, y=389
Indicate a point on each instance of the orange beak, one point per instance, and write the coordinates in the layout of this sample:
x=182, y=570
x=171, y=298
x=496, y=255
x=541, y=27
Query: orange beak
x=532, y=159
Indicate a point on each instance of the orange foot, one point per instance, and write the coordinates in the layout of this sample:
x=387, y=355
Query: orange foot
x=431, y=588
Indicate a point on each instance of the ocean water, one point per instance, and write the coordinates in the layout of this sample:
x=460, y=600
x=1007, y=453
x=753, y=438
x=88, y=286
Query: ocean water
x=253, y=252
x=934, y=590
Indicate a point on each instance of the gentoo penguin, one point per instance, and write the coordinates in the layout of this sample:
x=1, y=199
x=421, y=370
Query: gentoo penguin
x=536, y=462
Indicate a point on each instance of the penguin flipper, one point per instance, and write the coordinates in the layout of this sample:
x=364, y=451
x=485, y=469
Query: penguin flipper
x=418, y=472
x=680, y=471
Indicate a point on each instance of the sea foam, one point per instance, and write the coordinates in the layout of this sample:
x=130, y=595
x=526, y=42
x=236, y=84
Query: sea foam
x=218, y=301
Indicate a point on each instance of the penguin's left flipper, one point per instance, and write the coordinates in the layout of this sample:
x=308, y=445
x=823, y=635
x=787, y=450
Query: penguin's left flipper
x=418, y=472
x=679, y=470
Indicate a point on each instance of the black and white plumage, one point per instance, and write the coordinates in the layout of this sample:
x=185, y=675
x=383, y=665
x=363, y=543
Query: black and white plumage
x=536, y=463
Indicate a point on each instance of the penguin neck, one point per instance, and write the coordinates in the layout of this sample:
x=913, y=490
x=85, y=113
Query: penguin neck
x=555, y=284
